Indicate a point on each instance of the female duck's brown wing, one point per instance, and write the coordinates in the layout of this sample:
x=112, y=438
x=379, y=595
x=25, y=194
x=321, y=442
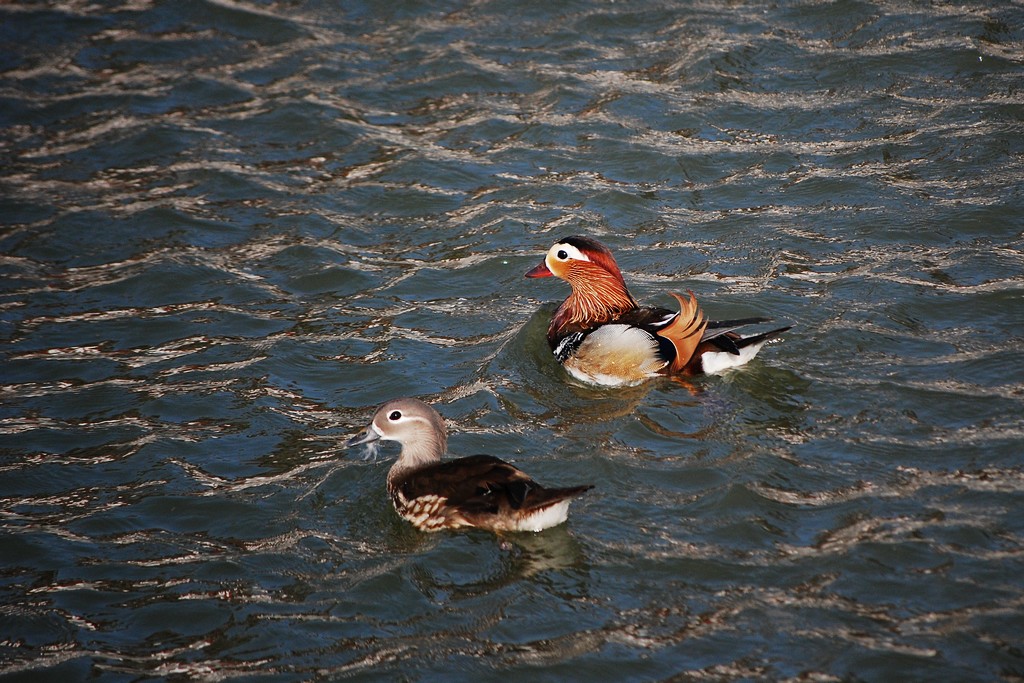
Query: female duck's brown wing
x=478, y=482
x=482, y=484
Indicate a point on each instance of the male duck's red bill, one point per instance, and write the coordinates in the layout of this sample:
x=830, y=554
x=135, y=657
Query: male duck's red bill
x=602, y=336
x=477, y=491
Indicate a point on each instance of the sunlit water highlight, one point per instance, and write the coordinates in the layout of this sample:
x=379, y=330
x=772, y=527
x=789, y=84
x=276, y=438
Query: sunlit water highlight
x=229, y=230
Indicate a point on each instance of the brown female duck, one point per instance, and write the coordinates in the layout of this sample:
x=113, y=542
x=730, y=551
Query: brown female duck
x=478, y=491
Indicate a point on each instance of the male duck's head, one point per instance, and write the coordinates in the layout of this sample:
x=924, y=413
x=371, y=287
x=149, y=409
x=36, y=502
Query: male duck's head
x=577, y=259
x=598, y=289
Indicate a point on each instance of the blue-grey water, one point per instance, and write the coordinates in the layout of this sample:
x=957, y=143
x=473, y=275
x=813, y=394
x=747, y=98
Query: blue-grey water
x=229, y=229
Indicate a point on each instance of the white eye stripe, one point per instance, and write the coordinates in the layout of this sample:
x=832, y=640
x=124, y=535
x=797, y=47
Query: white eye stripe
x=392, y=430
x=562, y=252
x=403, y=418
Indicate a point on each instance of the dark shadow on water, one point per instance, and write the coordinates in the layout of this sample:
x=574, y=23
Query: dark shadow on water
x=503, y=560
x=554, y=549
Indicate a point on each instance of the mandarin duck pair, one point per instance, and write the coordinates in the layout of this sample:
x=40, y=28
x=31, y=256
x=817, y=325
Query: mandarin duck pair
x=600, y=335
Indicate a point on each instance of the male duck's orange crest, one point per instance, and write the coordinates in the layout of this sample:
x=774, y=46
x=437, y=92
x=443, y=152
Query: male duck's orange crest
x=603, y=259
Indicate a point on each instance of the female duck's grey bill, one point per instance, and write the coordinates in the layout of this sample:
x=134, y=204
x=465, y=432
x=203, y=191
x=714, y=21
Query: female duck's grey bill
x=369, y=434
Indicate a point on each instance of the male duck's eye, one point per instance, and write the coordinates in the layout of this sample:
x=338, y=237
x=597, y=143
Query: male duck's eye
x=395, y=415
x=562, y=255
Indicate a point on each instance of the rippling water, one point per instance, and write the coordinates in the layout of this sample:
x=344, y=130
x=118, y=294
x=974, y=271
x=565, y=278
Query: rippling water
x=230, y=229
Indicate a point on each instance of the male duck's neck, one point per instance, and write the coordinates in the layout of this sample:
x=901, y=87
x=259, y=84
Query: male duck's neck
x=598, y=299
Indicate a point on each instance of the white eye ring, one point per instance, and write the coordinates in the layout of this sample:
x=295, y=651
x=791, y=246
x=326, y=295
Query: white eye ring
x=563, y=252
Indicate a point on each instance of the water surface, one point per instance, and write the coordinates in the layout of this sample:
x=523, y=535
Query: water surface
x=228, y=230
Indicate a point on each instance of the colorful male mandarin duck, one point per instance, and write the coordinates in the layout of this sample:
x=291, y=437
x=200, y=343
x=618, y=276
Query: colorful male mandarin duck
x=478, y=491
x=602, y=336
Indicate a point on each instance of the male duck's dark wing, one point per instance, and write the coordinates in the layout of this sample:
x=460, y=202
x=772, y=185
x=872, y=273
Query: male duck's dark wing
x=650, y=318
x=722, y=333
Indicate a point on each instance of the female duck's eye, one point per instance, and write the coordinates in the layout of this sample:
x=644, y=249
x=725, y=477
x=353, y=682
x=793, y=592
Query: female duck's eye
x=562, y=255
x=395, y=415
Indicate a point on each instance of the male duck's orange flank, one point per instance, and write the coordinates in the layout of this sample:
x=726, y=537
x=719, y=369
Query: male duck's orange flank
x=479, y=491
x=602, y=336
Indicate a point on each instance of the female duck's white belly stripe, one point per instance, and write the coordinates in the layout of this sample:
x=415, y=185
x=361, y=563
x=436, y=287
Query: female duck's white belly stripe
x=553, y=515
